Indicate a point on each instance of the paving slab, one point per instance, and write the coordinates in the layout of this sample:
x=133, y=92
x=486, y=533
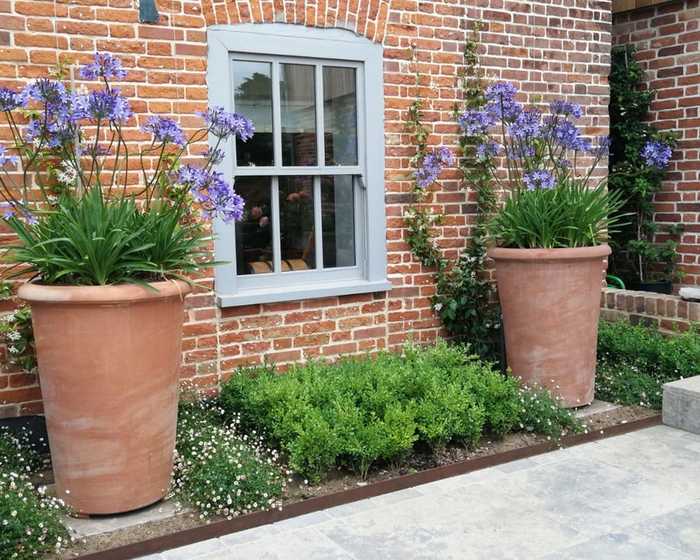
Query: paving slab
x=631, y=497
x=89, y=526
x=595, y=407
x=681, y=404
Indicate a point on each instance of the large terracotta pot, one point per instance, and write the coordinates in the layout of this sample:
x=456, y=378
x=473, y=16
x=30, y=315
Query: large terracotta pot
x=550, y=300
x=109, y=361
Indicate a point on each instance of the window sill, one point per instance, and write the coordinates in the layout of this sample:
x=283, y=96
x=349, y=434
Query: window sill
x=274, y=295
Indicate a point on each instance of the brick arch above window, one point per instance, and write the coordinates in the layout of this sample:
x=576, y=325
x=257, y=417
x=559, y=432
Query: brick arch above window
x=366, y=18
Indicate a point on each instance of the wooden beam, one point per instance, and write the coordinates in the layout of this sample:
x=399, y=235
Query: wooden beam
x=627, y=5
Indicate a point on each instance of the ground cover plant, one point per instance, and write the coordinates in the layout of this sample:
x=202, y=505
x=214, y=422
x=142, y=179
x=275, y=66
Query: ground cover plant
x=29, y=519
x=634, y=361
x=358, y=411
x=220, y=470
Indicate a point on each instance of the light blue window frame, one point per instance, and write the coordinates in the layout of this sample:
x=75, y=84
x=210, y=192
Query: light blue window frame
x=291, y=43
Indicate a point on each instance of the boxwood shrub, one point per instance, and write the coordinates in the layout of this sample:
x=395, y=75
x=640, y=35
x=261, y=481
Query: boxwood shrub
x=359, y=411
x=634, y=361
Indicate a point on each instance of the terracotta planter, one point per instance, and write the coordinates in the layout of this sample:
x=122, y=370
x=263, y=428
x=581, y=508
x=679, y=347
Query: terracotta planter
x=109, y=360
x=551, y=304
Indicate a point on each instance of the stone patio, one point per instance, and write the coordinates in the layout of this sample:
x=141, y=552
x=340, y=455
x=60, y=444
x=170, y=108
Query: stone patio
x=635, y=496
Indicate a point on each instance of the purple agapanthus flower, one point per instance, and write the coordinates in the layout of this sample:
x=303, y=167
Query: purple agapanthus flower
x=50, y=132
x=165, y=130
x=501, y=101
x=50, y=93
x=6, y=158
x=565, y=134
x=225, y=124
x=527, y=124
x=11, y=100
x=475, y=122
x=8, y=211
x=104, y=65
x=657, y=154
x=487, y=149
x=432, y=165
x=105, y=105
x=566, y=108
x=209, y=189
x=539, y=179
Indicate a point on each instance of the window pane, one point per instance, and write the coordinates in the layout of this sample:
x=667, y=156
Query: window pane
x=252, y=82
x=298, y=107
x=340, y=115
x=254, y=231
x=338, y=221
x=297, y=235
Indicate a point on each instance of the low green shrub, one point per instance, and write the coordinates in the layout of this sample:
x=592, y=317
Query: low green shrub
x=30, y=522
x=220, y=471
x=634, y=361
x=357, y=411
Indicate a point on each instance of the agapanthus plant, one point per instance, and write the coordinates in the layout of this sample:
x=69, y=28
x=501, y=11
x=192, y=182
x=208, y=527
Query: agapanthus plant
x=68, y=186
x=553, y=200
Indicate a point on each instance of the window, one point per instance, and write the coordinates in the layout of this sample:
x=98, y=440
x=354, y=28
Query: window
x=312, y=175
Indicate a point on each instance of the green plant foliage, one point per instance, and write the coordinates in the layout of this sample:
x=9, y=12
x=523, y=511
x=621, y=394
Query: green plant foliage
x=638, y=256
x=221, y=471
x=29, y=520
x=18, y=334
x=95, y=241
x=572, y=215
x=359, y=412
x=634, y=362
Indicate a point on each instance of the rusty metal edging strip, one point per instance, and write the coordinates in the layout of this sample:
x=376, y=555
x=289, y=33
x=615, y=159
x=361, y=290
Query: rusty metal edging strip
x=225, y=527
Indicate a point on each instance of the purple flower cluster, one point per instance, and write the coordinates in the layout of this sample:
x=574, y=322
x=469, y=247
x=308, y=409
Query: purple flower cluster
x=566, y=108
x=104, y=65
x=11, y=100
x=474, y=122
x=6, y=158
x=165, y=130
x=209, y=189
x=527, y=124
x=224, y=124
x=539, y=179
x=566, y=134
x=501, y=101
x=487, y=150
x=657, y=154
x=432, y=165
x=50, y=93
x=103, y=105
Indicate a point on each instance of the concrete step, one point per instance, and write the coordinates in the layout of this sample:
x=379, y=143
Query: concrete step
x=681, y=404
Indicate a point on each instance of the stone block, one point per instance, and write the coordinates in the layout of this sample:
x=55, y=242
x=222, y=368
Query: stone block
x=681, y=404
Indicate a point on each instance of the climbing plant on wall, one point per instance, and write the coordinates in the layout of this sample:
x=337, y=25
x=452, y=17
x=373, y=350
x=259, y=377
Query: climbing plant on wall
x=464, y=295
x=644, y=252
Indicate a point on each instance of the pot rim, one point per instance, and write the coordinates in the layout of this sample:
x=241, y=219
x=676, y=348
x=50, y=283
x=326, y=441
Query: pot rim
x=559, y=254
x=32, y=292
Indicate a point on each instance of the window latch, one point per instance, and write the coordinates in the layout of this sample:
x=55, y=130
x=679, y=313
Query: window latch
x=361, y=182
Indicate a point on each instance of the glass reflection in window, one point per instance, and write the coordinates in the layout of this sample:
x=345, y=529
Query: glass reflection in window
x=340, y=115
x=254, y=231
x=338, y=221
x=252, y=82
x=298, y=108
x=297, y=235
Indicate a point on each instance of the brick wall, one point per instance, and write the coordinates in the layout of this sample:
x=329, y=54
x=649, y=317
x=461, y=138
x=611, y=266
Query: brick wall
x=668, y=313
x=668, y=41
x=552, y=48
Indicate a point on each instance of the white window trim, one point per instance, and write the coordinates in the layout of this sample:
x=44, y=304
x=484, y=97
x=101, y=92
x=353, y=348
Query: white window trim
x=327, y=44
